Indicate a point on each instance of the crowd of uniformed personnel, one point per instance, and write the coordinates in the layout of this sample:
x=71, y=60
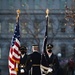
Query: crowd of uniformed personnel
x=37, y=63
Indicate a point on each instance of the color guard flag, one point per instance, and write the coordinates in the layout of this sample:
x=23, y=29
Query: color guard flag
x=46, y=36
x=14, y=53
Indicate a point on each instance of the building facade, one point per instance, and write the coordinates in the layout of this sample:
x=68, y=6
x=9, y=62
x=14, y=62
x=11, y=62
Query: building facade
x=32, y=26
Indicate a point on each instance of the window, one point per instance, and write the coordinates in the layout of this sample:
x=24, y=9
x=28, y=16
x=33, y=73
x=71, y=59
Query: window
x=62, y=25
x=63, y=50
x=10, y=4
x=74, y=49
x=50, y=27
x=11, y=27
x=24, y=4
x=0, y=27
x=62, y=4
x=50, y=3
x=0, y=4
x=23, y=29
x=74, y=29
x=37, y=3
x=0, y=53
x=63, y=29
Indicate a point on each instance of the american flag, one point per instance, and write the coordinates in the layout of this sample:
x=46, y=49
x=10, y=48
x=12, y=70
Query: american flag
x=14, y=53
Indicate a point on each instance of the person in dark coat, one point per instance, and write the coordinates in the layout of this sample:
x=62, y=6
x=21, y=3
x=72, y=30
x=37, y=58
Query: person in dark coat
x=49, y=62
x=35, y=59
x=71, y=66
x=23, y=60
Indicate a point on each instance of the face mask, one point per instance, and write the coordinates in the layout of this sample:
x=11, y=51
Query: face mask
x=22, y=52
x=49, y=51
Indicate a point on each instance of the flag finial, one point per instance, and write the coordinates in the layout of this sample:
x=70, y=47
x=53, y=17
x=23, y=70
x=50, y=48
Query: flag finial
x=47, y=12
x=18, y=12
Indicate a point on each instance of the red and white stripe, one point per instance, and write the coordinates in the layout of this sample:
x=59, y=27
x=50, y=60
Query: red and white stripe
x=16, y=52
x=14, y=57
x=12, y=72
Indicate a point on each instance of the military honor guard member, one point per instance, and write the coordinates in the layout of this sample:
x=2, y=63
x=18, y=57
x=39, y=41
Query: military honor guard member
x=49, y=62
x=23, y=60
x=35, y=59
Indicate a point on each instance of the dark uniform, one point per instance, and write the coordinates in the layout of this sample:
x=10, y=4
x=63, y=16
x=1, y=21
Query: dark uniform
x=23, y=61
x=50, y=62
x=35, y=58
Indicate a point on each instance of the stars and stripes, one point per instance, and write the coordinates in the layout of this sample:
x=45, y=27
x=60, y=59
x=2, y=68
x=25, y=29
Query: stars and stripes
x=14, y=53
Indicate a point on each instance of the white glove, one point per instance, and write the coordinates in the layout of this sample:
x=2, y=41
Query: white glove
x=49, y=70
x=22, y=70
x=42, y=69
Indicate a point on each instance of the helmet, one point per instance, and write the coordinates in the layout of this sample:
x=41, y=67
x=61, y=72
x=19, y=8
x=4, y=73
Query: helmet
x=49, y=45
